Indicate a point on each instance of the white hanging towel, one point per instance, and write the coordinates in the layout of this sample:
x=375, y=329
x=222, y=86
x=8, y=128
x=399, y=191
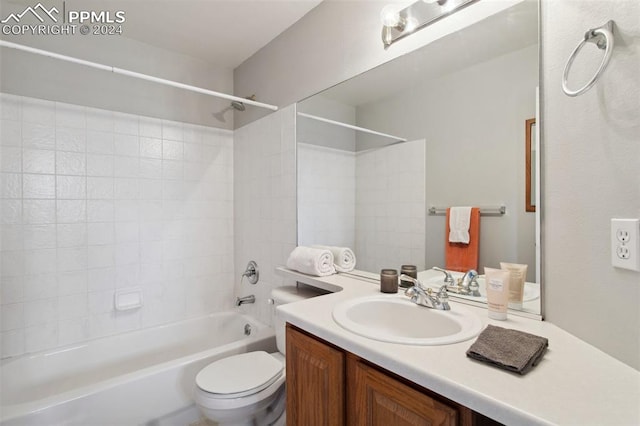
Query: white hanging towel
x=459, y=222
x=312, y=261
x=344, y=259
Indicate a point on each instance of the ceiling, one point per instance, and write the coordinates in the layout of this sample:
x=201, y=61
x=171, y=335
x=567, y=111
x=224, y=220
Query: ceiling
x=224, y=32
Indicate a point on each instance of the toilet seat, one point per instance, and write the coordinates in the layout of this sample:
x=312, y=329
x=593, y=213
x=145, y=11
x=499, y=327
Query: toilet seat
x=240, y=376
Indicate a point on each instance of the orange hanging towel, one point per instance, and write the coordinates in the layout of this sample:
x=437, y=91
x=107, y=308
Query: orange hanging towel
x=459, y=256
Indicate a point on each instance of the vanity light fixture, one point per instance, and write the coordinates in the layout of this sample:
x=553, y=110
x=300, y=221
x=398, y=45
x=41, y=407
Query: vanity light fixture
x=397, y=24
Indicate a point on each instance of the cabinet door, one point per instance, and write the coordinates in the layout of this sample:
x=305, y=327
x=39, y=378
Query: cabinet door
x=376, y=399
x=315, y=381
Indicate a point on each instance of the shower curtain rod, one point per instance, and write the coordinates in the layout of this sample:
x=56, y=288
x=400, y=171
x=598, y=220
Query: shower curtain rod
x=350, y=126
x=134, y=74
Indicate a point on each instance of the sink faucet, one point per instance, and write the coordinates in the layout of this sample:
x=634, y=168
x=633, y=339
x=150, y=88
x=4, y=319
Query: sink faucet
x=424, y=296
x=467, y=285
x=448, y=279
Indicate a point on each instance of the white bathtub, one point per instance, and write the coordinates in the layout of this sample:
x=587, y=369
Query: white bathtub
x=134, y=378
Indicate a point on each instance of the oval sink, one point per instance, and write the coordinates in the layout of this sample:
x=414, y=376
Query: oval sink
x=395, y=319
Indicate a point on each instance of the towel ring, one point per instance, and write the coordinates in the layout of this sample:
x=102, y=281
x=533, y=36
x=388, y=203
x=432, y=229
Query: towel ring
x=603, y=38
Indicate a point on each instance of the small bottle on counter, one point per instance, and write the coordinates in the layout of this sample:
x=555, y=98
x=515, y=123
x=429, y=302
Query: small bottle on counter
x=410, y=270
x=389, y=280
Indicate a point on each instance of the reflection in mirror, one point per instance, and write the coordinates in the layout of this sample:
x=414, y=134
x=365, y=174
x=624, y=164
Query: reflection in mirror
x=530, y=165
x=460, y=103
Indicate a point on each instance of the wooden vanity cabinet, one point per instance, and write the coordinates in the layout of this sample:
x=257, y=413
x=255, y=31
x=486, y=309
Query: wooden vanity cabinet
x=329, y=386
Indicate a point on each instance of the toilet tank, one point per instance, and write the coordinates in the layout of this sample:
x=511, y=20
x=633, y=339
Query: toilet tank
x=289, y=294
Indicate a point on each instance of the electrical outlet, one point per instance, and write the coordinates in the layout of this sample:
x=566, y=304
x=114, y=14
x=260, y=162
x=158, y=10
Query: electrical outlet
x=625, y=243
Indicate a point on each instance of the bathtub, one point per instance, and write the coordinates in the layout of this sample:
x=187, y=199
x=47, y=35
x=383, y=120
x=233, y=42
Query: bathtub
x=140, y=377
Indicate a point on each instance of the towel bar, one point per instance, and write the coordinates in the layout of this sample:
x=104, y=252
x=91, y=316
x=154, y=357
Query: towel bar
x=484, y=211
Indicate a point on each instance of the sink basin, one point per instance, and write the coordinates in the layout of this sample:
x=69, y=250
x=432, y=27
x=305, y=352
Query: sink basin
x=395, y=319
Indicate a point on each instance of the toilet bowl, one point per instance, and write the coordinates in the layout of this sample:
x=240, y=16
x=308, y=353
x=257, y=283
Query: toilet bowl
x=249, y=388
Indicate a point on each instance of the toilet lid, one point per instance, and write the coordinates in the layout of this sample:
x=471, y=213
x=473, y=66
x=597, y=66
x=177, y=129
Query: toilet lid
x=240, y=374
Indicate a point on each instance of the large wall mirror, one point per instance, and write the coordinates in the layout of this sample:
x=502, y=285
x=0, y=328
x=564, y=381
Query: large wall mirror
x=381, y=156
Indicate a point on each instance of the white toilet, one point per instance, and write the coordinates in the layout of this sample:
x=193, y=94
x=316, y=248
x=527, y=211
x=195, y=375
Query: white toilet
x=249, y=388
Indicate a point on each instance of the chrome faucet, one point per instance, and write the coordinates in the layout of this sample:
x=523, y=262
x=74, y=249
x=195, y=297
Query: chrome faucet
x=448, y=279
x=424, y=296
x=246, y=299
x=467, y=285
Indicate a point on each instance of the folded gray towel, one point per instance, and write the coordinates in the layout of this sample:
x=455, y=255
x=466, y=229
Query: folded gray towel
x=511, y=350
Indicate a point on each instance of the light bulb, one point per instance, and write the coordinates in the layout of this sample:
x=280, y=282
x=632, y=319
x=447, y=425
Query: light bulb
x=390, y=16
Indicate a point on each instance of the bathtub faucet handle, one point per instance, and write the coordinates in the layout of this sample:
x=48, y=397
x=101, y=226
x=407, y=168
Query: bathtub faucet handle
x=251, y=272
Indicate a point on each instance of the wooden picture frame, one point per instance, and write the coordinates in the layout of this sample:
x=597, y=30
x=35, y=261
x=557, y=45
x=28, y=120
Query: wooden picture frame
x=530, y=168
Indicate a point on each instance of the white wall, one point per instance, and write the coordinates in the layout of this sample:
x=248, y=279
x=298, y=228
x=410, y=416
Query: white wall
x=335, y=41
x=319, y=133
x=26, y=74
x=591, y=152
x=474, y=124
x=390, y=207
x=590, y=144
x=264, y=170
x=326, y=196
x=94, y=201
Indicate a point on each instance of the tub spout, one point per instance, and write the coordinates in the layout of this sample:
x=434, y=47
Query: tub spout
x=246, y=299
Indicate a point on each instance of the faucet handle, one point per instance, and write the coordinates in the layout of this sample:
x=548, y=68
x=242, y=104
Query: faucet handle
x=448, y=279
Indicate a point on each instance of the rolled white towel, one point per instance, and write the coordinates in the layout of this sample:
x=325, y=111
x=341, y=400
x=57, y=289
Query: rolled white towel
x=312, y=261
x=344, y=259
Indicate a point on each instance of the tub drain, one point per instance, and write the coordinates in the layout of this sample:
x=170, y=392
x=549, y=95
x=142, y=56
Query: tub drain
x=247, y=329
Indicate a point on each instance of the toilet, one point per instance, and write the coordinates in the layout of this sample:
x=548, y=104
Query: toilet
x=249, y=388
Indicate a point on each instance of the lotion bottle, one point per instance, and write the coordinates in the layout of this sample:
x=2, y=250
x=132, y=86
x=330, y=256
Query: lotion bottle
x=497, y=282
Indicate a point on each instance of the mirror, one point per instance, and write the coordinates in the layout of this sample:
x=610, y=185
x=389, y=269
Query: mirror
x=530, y=165
x=382, y=155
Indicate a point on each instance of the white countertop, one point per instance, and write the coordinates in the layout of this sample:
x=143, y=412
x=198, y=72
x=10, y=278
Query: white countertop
x=574, y=384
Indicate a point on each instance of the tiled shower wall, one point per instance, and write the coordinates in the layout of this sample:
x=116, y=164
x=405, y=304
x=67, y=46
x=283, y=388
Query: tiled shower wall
x=265, y=204
x=326, y=196
x=390, y=206
x=94, y=201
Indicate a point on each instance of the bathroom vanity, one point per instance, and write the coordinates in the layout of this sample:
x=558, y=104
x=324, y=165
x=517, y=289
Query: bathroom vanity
x=328, y=385
x=340, y=376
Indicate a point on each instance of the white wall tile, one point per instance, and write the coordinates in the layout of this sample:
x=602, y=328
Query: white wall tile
x=99, y=188
x=85, y=193
x=74, y=282
x=150, y=148
x=99, y=142
x=69, y=139
x=39, y=236
x=72, y=235
x=100, y=165
x=38, y=186
x=11, y=289
x=71, y=187
x=71, y=211
x=38, y=287
x=10, y=159
x=41, y=337
x=38, y=136
x=10, y=107
x=40, y=261
x=10, y=133
x=71, y=163
x=126, y=145
x=11, y=185
x=12, y=343
x=12, y=316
